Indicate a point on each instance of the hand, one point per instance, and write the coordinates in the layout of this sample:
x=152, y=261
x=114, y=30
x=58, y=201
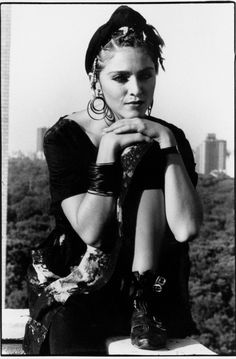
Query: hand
x=147, y=128
x=118, y=141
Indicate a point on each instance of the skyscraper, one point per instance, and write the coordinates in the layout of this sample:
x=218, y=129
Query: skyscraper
x=211, y=155
x=40, y=135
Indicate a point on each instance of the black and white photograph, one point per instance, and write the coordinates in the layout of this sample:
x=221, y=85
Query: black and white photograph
x=118, y=233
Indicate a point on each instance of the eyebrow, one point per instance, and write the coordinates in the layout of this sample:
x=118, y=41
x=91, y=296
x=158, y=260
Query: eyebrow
x=128, y=72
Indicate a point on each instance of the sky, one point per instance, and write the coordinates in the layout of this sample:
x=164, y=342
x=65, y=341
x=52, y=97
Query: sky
x=48, y=78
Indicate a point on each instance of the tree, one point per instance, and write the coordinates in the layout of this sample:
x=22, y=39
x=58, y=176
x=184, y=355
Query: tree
x=212, y=273
x=29, y=222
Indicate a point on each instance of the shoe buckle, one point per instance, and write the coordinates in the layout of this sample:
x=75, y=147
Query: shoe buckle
x=160, y=281
x=158, y=323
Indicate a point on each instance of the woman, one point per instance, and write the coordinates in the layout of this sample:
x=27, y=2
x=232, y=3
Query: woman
x=122, y=186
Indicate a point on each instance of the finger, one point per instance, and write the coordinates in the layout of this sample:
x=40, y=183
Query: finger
x=138, y=137
x=133, y=127
x=141, y=137
x=114, y=126
x=123, y=122
x=126, y=129
x=107, y=129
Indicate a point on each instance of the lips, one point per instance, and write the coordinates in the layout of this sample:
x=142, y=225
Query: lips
x=136, y=103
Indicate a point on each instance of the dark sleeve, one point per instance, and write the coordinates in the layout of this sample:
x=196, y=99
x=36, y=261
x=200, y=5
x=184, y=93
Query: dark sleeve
x=184, y=149
x=187, y=155
x=67, y=170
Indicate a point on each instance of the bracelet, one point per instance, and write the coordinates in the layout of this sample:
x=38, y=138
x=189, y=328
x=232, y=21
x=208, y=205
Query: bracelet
x=104, y=179
x=169, y=150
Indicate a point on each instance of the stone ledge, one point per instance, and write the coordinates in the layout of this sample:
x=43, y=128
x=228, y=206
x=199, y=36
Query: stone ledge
x=12, y=349
x=13, y=326
x=13, y=323
x=186, y=346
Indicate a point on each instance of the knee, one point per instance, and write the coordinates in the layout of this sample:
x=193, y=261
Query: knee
x=186, y=234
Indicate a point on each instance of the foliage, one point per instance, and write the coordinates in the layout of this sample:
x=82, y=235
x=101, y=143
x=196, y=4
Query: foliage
x=212, y=267
x=211, y=284
x=29, y=222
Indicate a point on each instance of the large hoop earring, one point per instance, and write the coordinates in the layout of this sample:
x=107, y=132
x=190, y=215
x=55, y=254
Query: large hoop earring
x=98, y=110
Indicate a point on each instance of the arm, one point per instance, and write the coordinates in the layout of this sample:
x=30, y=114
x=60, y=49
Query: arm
x=183, y=208
x=88, y=213
x=182, y=205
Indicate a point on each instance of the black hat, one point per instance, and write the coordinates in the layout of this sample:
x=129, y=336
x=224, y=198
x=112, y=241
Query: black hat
x=123, y=16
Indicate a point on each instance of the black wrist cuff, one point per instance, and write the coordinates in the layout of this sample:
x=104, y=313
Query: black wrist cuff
x=104, y=179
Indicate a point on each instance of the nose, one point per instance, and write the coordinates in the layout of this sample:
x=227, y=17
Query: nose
x=134, y=86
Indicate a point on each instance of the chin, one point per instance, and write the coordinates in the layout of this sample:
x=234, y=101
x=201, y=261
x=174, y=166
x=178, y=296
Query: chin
x=133, y=114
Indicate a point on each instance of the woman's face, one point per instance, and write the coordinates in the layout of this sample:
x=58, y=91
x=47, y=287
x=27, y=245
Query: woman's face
x=128, y=81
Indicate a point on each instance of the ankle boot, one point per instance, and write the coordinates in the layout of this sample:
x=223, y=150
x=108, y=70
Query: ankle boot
x=147, y=331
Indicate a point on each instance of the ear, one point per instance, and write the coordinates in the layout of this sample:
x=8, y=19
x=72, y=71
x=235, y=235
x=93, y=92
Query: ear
x=90, y=75
x=95, y=85
x=98, y=86
x=91, y=80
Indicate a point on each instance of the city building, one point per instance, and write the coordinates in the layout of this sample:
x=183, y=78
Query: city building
x=39, y=146
x=211, y=155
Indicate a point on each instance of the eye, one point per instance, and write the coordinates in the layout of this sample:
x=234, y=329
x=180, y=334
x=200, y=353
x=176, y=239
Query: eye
x=145, y=75
x=120, y=78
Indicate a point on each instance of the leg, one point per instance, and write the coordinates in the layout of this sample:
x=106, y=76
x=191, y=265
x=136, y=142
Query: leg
x=150, y=229
x=80, y=327
x=147, y=331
